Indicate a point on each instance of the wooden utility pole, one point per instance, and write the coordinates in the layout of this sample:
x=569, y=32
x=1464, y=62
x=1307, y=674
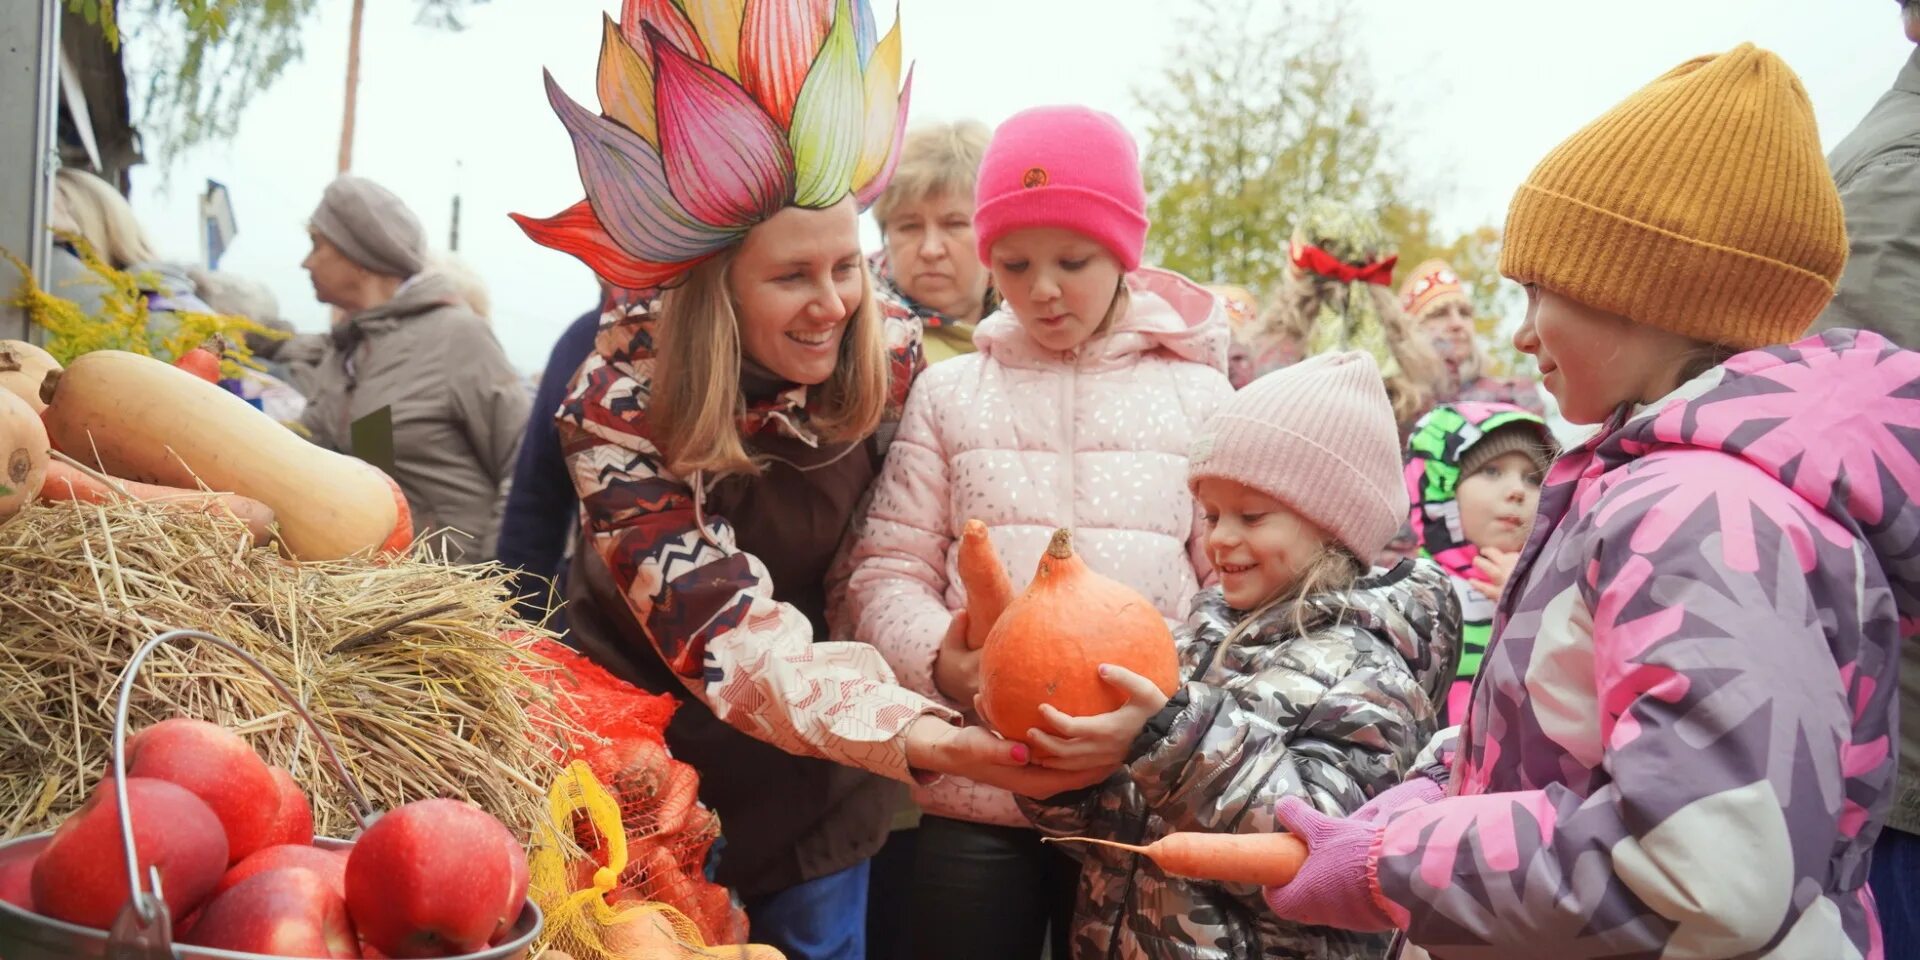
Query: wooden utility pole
x=353, y=87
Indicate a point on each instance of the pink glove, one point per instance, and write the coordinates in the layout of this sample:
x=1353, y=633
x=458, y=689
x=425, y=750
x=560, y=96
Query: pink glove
x=1415, y=792
x=1332, y=888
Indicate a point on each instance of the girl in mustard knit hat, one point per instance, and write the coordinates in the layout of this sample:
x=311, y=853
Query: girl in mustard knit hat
x=1678, y=744
x=1305, y=674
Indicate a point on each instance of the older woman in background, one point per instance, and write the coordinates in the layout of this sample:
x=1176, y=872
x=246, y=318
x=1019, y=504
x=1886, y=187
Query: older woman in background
x=409, y=344
x=926, y=221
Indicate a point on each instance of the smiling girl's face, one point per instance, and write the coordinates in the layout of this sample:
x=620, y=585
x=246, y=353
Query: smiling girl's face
x=1258, y=545
x=1060, y=284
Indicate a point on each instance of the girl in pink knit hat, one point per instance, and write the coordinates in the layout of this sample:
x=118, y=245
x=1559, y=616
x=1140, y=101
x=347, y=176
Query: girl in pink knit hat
x=1076, y=411
x=1305, y=674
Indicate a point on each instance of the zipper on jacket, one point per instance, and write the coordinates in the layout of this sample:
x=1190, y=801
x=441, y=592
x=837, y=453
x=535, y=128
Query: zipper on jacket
x=1067, y=436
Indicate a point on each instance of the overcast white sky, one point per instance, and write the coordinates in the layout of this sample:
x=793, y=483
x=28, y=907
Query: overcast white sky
x=1482, y=89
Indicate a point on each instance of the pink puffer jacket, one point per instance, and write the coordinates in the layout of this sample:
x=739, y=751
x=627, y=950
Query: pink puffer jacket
x=1029, y=440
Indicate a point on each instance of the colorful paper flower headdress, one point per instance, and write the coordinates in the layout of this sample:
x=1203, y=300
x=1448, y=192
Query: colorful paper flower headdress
x=717, y=114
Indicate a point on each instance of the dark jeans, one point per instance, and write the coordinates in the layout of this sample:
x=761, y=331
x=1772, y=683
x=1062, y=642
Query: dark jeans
x=1895, y=881
x=890, y=897
x=821, y=919
x=987, y=891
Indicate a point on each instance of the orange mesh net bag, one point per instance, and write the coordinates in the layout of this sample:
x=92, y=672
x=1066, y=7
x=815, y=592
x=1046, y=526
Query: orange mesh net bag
x=621, y=874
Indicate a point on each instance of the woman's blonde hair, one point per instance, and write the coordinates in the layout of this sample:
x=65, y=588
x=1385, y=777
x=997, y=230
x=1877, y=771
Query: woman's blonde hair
x=696, y=403
x=941, y=158
x=1333, y=570
x=1303, y=295
x=102, y=217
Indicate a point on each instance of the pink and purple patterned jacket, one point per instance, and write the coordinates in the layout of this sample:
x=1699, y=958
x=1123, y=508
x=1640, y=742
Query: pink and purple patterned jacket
x=1678, y=745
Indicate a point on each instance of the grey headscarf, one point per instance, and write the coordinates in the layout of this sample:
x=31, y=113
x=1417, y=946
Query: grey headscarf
x=371, y=226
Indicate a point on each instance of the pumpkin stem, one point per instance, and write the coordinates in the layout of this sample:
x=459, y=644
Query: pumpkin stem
x=1062, y=546
x=47, y=386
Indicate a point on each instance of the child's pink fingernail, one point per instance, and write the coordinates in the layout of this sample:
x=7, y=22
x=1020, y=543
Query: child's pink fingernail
x=1019, y=753
x=1103, y=671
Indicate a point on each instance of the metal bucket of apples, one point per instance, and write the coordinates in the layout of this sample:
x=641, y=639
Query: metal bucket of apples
x=195, y=849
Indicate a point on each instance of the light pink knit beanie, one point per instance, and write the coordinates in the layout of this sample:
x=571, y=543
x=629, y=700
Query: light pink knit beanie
x=1069, y=167
x=1320, y=437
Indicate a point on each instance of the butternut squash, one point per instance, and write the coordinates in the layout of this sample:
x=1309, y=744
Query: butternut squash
x=23, y=367
x=146, y=420
x=23, y=454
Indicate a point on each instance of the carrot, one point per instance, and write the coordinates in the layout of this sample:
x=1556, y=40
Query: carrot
x=675, y=800
x=985, y=579
x=1267, y=859
x=667, y=880
x=66, y=481
x=202, y=363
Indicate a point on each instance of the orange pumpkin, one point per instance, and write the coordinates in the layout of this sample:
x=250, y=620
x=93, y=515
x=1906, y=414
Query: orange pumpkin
x=1047, y=647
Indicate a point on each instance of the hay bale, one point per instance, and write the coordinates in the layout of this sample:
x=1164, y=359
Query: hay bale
x=403, y=663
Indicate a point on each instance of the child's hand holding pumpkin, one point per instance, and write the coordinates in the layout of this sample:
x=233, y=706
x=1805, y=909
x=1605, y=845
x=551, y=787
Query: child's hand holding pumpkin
x=1104, y=740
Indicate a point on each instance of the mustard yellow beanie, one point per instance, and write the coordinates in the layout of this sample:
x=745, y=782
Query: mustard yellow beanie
x=1701, y=205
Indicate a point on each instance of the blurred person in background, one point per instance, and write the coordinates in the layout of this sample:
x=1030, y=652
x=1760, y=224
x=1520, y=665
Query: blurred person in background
x=1435, y=299
x=926, y=222
x=89, y=208
x=265, y=388
x=410, y=345
x=542, y=508
x=1337, y=294
x=1877, y=168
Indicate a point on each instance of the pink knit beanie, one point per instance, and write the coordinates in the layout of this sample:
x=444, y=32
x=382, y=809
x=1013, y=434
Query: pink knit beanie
x=1067, y=167
x=1318, y=436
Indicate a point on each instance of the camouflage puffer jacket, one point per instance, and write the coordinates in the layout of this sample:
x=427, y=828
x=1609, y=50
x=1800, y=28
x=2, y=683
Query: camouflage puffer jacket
x=1334, y=714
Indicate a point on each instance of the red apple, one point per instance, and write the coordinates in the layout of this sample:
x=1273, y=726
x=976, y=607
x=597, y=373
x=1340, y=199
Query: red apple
x=433, y=879
x=81, y=876
x=331, y=865
x=16, y=877
x=293, y=820
x=519, y=877
x=220, y=768
x=290, y=912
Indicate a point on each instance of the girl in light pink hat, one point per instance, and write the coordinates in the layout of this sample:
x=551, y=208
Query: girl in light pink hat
x=1076, y=411
x=1305, y=673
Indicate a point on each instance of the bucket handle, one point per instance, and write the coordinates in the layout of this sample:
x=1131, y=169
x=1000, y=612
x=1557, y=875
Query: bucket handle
x=143, y=929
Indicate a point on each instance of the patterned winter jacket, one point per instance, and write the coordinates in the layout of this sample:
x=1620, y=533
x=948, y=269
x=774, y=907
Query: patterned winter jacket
x=707, y=607
x=1028, y=441
x=1678, y=742
x=1334, y=715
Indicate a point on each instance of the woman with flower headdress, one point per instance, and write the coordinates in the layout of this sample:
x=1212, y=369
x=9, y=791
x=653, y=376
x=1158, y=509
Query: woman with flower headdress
x=722, y=434
x=1437, y=303
x=1337, y=294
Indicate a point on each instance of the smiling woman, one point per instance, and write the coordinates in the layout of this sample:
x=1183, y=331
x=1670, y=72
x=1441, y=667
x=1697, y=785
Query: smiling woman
x=724, y=431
